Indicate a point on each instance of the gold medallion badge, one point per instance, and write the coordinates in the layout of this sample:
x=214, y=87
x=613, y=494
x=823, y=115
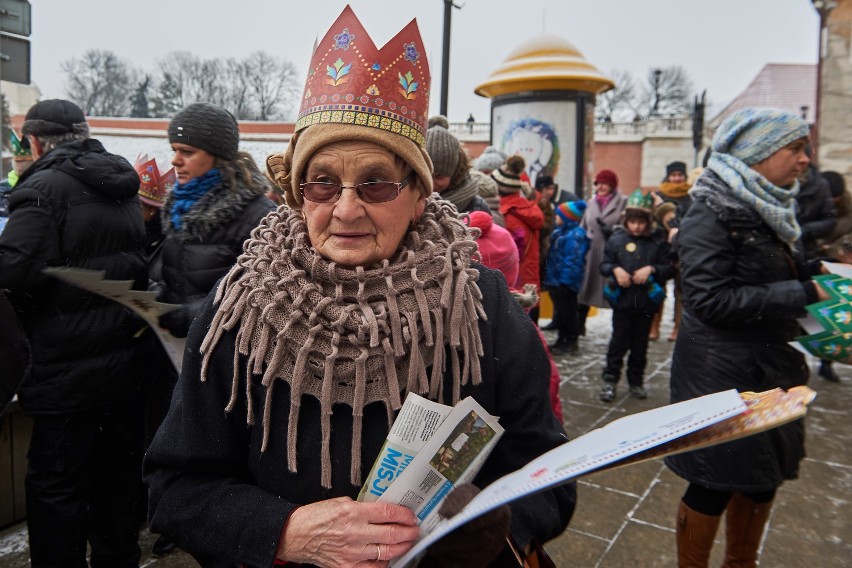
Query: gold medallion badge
x=631, y=247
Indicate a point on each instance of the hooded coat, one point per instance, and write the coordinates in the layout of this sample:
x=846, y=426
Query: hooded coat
x=524, y=220
x=76, y=207
x=742, y=294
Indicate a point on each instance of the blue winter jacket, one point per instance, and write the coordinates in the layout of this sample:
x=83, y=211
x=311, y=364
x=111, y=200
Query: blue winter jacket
x=566, y=261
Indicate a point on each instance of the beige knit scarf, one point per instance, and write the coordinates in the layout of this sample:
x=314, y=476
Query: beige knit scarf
x=351, y=336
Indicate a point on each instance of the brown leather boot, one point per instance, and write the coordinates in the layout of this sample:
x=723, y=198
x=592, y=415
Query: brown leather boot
x=655, y=324
x=744, y=523
x=695, y=534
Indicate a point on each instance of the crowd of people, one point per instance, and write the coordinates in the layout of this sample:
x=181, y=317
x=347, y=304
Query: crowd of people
x=369, y=261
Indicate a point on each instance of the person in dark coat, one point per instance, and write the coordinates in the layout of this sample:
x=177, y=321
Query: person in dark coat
x=815, y=212
x=219, y=197
x=361, y=291
x=636, y=264
x=743, y=291
x=77, y=207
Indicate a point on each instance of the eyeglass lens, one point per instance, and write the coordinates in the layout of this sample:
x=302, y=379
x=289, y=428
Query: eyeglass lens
x=369, y=192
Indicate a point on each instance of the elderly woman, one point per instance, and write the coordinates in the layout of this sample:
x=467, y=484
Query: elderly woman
x=362, y=291
x=742, y=294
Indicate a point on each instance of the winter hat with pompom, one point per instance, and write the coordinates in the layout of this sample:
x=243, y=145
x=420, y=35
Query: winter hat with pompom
x=508, y=176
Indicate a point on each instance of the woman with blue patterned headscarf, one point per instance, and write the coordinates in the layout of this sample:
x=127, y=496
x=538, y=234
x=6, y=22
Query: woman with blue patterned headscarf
x=742, y=291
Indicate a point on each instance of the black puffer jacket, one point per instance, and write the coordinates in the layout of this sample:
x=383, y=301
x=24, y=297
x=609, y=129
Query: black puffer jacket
x=632, y=253
x=211, y=238
x=76, y=206
x=742, y=294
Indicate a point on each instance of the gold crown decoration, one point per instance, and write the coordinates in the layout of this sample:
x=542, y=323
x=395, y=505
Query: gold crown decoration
x=153, y=186
x=350, y=81
x=19, y=153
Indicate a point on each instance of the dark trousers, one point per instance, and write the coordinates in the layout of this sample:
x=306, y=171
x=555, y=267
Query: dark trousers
x=630, y=332
x=582, y=314
x=565, y=313
x=83, y=485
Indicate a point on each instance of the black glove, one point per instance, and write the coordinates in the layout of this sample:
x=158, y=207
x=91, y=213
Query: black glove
x=474, y=544
x=605, y=229
x=176, y=321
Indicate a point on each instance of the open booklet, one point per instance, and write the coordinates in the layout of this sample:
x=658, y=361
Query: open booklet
x=143, y=302
x=430, y=449
x=676, y=428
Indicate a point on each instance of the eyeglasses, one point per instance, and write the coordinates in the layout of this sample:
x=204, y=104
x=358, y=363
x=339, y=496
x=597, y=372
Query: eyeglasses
x=368, y=192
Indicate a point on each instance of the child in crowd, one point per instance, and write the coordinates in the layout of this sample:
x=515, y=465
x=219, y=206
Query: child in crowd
x=564, y=273
x=637, y=266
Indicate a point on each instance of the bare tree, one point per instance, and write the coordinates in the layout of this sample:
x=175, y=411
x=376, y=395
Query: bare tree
x=668, y=90
x=616, y=104
x=99, y=82
x=272, y=82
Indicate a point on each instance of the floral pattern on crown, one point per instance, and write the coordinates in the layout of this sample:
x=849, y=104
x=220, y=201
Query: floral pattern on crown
x=350, y=81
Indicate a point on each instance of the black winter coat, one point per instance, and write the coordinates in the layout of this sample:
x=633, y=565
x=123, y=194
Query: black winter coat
x=192, y=260
x=631, y=254
x=76, y=206
x=742, y=294
x=225, y=502
x=816, y=212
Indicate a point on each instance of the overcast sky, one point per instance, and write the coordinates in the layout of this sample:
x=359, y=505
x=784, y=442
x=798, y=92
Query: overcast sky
x=721, y=43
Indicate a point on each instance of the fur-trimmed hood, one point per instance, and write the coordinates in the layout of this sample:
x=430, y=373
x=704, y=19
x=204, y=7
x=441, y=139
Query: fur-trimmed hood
x=218, y=207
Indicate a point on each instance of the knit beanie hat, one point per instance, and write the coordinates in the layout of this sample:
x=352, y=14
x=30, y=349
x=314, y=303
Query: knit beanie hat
x=485, y=184
x=490, y=160
x=508, y=176
x=753, y=134
x=675, y=167
x=443, y=148
x=571, y=210
x=208, y=127
x=438, y=120
x=608, y=177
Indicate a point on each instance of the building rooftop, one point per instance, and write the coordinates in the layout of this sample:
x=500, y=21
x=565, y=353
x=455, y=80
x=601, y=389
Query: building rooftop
x=788, y=86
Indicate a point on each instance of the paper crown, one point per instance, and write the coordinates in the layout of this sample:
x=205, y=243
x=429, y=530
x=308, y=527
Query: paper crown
x=153, y=186
x=350, y=81
x=18, y=152
x=638, y=200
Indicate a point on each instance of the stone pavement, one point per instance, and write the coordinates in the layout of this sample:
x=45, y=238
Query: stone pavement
x=625, y=517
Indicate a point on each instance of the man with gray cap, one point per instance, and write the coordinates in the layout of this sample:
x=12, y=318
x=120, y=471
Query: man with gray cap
x=77, y=206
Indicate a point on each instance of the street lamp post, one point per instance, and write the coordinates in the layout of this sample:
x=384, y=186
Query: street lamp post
x=445, y=62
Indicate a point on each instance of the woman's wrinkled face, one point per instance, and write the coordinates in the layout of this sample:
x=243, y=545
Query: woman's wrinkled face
x=350, y=231
x=191, y=162
x=785, y=165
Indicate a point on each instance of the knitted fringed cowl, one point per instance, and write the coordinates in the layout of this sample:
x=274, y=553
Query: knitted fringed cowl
x=350, y=336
